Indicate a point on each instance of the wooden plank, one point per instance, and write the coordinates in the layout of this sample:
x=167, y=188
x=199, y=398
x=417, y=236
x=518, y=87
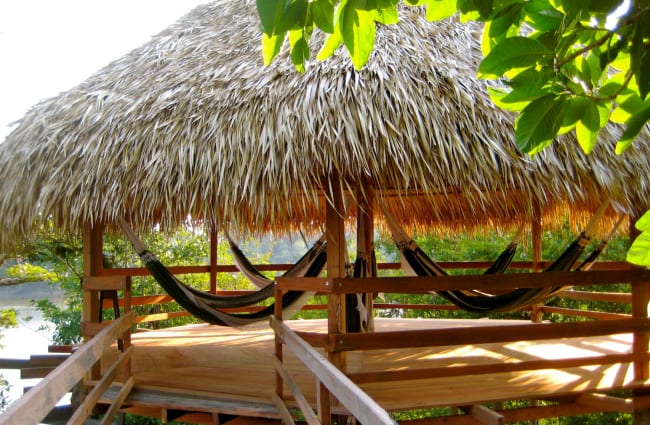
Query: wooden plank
x=92, y=328
x=601, y=315
x=360, y=405
x=413, y=374
x=193, y=402
x=613, y=297
x=304, y=405
x=606, y=402
x=34, y=405
x=114, y=408
x=640, y=299
x=487, y=334
x=35, y=372
x=486, y=416
x=87, y=406
x=161, y=316
x=425, y=284
x=285, y=414
x=104, y=283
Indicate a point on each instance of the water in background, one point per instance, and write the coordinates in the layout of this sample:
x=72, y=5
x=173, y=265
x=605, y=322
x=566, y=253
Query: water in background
x=28, y=338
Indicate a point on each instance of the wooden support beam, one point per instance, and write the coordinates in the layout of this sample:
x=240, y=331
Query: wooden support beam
x=336, y=258
x=606, y=403
x=485, y=415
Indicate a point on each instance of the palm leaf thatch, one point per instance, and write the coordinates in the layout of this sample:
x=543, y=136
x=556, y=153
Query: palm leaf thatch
x=192, y=124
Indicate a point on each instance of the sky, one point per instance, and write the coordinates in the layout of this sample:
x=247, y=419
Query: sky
x=49, y=46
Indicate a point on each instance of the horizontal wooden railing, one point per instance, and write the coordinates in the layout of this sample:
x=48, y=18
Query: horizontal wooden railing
x=41, y=399
x=637, y=323
x=353, y=398
x=155, y=300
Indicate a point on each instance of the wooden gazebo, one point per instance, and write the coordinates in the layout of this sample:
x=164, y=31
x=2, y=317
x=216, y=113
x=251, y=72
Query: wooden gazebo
x=192, y=126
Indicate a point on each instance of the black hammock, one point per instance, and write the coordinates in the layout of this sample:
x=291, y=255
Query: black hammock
x=480, y=302
x=206, y=306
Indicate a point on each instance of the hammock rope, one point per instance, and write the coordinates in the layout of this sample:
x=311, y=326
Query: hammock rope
x=206, y=306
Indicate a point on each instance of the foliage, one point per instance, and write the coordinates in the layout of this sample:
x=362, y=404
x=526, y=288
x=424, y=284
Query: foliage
x=566, y=65
x=7, y=320
x=640, y=250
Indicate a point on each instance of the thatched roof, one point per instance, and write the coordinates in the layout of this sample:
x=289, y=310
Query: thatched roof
x=192, y=124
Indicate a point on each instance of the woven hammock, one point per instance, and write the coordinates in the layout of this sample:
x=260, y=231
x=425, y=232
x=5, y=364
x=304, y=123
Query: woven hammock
x=479, y=302
x=208, y=307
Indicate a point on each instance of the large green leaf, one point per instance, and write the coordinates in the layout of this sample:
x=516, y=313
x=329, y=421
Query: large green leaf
x=293, y=16
x=539, y=123
x=270, y=12
x=358, y=30
x=440, y=9
x=513, y=52
x=507, y=17
x=639, y=252
x=332, y=43
x=299, y=49
x=483, y=7
x=543, y=16
x=634, y=126
x=323, y=14
x=387, y=16
x=271, y=47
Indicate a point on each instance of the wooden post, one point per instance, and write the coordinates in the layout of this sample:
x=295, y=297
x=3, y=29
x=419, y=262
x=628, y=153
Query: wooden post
x=92, y=250
x=279, y=384
x=335, y=236
x=640, y=299
x=536, y=238
x=214, y=260
x=93, y=263
x=365, y=248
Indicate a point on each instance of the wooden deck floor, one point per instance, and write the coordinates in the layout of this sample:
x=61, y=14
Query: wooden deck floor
x=235, y=364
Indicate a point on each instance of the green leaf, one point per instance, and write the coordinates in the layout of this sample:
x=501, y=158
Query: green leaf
x=497, y=97
x=575, y=109
x=643, y=224
x=505, y=19
x=271, y=47
x=293, y=17
x=299, y=49
x=639, y=252
x=588, y=127
x=543, y=16
x=323, y=13
x=539, y=123
x=643, y=76
x=358, y=30
x=586, y=137
x=332, y=43
x=528, y=85
x=270, y=12
x=387, y=16
x=482, y=7
x=440, y=9
x=634, y=126
x=513, y=52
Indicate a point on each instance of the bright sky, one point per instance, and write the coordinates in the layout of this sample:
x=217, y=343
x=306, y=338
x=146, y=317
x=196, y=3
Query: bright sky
x=49, y=46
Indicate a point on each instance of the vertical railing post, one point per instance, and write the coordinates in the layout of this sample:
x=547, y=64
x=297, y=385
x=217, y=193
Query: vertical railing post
x=536, y=237
x=279, y=384
x=214, y=260
x=640, y=299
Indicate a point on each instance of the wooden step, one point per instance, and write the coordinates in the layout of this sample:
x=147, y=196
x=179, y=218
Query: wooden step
x=180, y=402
